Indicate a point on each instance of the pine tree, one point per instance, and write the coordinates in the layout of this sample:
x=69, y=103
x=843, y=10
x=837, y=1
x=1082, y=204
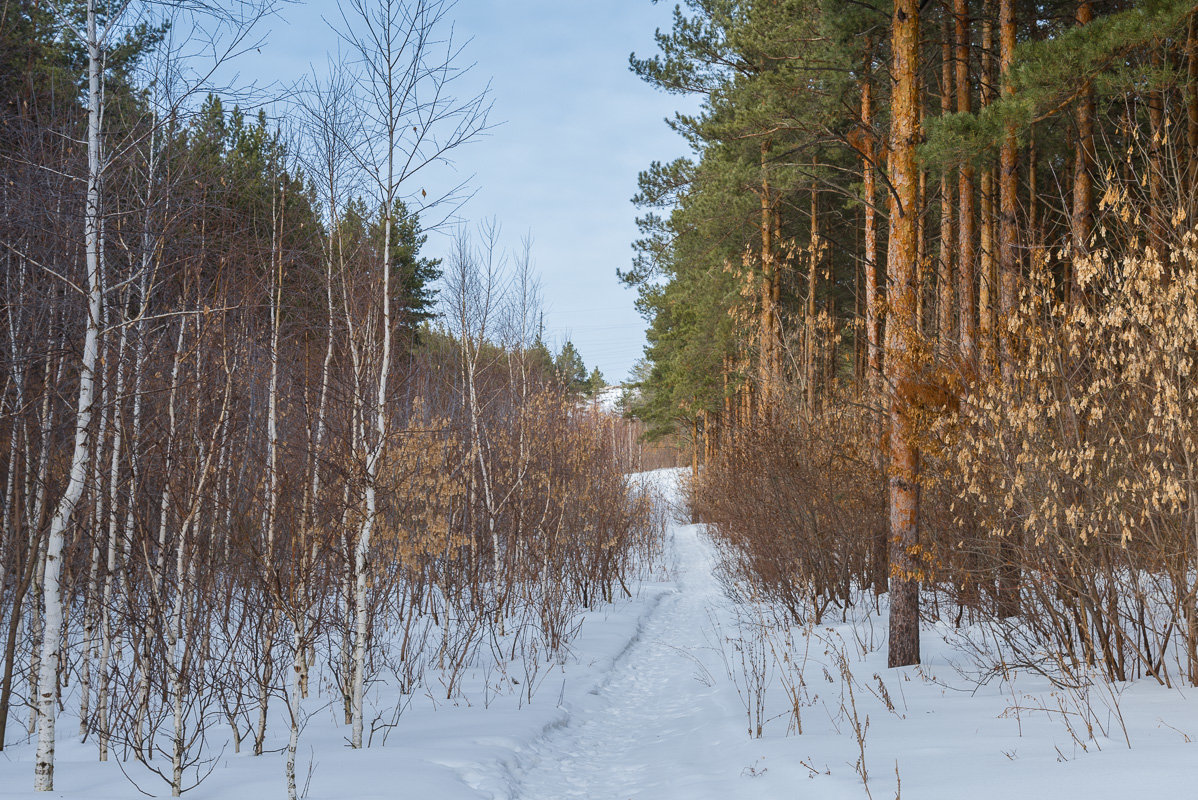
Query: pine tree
x=902, y=332
x=570, y=369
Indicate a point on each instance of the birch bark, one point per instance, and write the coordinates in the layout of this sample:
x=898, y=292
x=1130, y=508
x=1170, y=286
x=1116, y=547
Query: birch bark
x=81, y=453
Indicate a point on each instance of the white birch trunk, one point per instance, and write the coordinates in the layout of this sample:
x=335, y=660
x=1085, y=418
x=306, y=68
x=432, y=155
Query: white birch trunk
x=91, y=599
x=36, y=523
x=297, y=695
x=110, y=557
x=56, y=539
x=373, y=459
x=278, y=207
x=394, y=42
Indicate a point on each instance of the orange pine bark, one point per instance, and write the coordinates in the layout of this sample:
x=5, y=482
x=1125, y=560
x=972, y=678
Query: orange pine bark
x=902, y=337
x=1191, y=94
x=769, y=356
x=1009, y=273
x=966, y=249
x=873, y=328
x=946, y=294
x=1082, y=213
x=987, y=294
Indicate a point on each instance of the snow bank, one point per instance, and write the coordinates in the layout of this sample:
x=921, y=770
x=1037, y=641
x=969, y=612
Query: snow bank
x=657, y=698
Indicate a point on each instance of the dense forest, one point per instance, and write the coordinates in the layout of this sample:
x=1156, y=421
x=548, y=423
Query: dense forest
x=238, y=448
x=923, y=299
x=922, y=304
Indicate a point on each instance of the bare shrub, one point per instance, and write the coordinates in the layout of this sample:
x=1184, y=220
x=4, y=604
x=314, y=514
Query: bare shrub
x=1082, y=470
x=795, y=503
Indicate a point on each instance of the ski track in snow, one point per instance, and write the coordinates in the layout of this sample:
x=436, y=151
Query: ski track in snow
x=650, y=710
x=643, y=739
x=667, y=722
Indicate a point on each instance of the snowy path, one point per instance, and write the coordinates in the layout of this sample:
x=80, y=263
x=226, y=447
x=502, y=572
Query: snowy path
x=662, y=721
x=666, y=722
x=645, y=708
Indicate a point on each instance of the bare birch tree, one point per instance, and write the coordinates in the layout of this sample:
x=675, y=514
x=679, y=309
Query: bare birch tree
x=407, y=61
x=94, y=38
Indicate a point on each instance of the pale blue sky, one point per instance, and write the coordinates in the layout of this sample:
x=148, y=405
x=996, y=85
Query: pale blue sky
x=576, y=128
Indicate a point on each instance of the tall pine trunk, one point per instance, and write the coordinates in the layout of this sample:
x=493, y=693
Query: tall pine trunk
x=987, y=282
x=1191, y=100
x=966, y=222
x=902, y=337
x=1008, y=268
x=945, y=281
x=1081, y=218
x=811, y=365
x=769, y=351
x=880, y=571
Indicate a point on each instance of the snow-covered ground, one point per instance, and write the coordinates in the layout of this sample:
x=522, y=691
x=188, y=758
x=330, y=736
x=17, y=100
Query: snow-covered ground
x=656, y=699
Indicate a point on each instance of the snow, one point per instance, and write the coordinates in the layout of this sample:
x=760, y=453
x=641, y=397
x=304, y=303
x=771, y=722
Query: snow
x=608, y=398
x=659, y=722
x=651, y=702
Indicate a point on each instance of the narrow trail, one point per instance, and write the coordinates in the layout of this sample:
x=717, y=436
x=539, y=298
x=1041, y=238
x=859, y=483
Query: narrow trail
x=662, y=722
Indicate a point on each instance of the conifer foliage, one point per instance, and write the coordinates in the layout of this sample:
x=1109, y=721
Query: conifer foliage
x=946, y=246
